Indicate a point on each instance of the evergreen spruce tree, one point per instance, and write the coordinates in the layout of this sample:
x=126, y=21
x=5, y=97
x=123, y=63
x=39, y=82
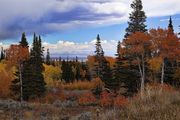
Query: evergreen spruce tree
x=84, y=67
x=124, y=79
x=137, y=19
x=2, y=54
x=33, y=84
x=102, y=66
x=23, y=41
x=16, y=86
x=64, y=70
x=48, y=57
x=170, y=26
x=170, y=66
x=70, y=68
x=35, y=67
x=78, y=70
x=118, y=79
x=99, y=58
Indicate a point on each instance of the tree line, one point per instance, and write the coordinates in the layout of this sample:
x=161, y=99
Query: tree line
x=143, y=56
x=72, y=70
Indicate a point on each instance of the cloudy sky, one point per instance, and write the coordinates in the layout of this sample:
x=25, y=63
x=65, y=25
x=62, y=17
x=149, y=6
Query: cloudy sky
x=69, y=27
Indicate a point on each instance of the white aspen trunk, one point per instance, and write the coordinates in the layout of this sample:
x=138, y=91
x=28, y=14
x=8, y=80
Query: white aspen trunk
x=142, y=78
x=20, y=77
x=162, y=73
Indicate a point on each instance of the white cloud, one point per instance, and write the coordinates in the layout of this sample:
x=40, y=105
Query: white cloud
x=35, y=15
x=83, y=49
x=69, y=48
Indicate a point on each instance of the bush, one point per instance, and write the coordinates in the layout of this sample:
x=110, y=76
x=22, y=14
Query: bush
x=106, y=99
x=82, y=85
x=87, y=99
x=158, y=103
x=120, y=101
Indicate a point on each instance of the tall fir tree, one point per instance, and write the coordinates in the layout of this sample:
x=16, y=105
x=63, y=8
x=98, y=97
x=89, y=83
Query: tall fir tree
x=78, y=70
x=23, y=41
x=137, y=19
x=34, y=84
x=102, y=66
x=118, y=79
x=99, y=58
x=48, y=57
x=170, y=26
x=64, y=71
x=2, y=54
x=170, y=66
x=16, y=86
x=124, y=79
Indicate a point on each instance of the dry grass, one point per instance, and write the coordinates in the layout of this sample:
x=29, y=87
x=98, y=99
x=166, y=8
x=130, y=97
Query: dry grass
x=82, y=85
x=157, y=104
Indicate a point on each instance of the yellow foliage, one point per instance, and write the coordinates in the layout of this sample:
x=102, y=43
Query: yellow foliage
x=91, y=61
x=155, y=64
x=52, y=75
x=177, y=74
x=6, y=75
x=82, y=85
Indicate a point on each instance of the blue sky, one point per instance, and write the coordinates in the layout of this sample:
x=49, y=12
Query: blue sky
x=70, y=27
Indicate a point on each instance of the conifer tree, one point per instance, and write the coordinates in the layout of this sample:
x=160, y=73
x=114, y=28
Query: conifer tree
x=2, y=54
x=33, y=70
x=137, y=19
x=99, y=58
x=124, y=79
x=78, y=70
x=64, y=70
x=170, y=66
x=23, y=41
x=48, y=57
x=16, y=86
x=118, y=79
x=170, y=26
x=102, y=66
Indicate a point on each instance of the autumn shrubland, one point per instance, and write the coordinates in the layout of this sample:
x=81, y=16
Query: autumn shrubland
x=158, y=103
x=141, y=82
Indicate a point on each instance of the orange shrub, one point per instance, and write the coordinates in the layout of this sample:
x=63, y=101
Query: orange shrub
x=168, y=88
x=120, y=101
x=6, y=76
x=5, y=83
x=87, y=98
x=106, y=99
x=71, y=96
x=53, y=96
x=82, y=85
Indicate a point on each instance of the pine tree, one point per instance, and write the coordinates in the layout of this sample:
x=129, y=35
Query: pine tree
x=124, y=79
x=78, y=70
x=2, y=54
x=64, y=70
x=99, y=58
x=170, y=66
x=102, y=66
x=85, y=69
x=16, y=86
x=118, y=79
x=170, y=26
x=48, y=57
x=137, y=19
x=33, y=84
x=23, y=41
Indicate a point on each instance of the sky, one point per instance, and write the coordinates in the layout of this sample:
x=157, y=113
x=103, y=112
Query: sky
x=70, y=27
